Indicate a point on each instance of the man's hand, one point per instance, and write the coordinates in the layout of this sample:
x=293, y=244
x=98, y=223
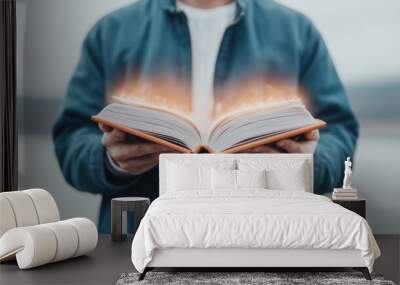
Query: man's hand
x=135, y=157
x=307, y=145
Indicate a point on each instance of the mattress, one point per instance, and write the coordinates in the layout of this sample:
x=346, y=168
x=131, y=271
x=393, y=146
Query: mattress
x=250, y=219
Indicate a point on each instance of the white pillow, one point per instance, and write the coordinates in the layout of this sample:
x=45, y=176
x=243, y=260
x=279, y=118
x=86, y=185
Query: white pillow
x=191, y=174
x=251, y=178
x=279, y=180
x=223, y=179
x=181, y=177
x=237, y=179
x=282, y=174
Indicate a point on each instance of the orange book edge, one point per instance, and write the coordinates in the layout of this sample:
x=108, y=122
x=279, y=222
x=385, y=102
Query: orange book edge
x=272, y=139
x=206, y=148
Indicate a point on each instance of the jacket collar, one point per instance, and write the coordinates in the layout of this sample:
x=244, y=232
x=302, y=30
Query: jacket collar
x=170, y=6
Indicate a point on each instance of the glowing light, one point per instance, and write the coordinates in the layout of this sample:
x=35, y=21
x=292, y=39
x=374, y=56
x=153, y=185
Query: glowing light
x=163, y=93
x=252, y=95
x=172, y=95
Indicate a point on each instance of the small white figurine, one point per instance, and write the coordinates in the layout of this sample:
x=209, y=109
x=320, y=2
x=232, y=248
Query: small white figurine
x=347, y=174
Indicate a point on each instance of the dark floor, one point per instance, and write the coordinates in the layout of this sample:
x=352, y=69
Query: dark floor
x=389, y=262
x=106, y=264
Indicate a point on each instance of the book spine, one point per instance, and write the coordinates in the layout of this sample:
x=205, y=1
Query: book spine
x=335, y=197
x=345, y=194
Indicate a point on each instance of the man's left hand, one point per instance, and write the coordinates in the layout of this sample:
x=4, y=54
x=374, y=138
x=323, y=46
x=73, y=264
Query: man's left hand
x=307, y=145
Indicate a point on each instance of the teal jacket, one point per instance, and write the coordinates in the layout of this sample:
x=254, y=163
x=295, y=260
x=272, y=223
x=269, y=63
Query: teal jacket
x=151, y=37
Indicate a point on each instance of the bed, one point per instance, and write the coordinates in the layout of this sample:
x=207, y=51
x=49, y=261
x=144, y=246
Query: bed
x=247, y=211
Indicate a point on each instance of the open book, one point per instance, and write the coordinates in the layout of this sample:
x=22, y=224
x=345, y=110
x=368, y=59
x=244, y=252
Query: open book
x=236, y=132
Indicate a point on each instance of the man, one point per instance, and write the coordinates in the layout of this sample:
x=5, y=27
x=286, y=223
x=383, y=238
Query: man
x=209, y=43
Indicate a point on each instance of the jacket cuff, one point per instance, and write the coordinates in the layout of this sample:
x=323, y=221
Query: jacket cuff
x=108, y=180
x=114, y=169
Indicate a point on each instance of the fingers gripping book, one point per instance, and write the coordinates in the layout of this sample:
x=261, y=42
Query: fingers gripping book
x=236, y=132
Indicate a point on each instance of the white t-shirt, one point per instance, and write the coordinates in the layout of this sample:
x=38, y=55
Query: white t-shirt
x=207, y=28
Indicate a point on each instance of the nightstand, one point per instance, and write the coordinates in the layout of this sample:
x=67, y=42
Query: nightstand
x=137, y=205
x=358, y=206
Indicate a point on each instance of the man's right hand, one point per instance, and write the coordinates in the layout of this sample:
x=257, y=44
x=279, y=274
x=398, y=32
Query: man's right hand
x=134, y=157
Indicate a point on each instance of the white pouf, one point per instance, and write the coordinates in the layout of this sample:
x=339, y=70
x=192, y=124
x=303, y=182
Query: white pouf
x=32, y=233
x=46, y=207
x=7, y=220
x=27, y=208
x=37, y=245
x=23, y=208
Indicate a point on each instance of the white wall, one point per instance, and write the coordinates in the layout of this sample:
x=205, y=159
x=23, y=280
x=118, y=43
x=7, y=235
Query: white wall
x=361, y=35
x=54, y=33
x=49, y=42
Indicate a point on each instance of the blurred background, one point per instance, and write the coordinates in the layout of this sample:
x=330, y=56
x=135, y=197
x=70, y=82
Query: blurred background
x=363, y=38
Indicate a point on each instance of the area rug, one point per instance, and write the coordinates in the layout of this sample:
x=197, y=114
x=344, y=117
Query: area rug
x=244, y=278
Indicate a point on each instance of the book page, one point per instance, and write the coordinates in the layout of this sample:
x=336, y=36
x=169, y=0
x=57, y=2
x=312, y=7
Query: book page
x=156, y=122
x=260, y=123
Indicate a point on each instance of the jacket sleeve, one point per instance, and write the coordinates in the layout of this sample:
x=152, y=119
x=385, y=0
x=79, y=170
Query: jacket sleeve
x=77, y=139
x=328, y=101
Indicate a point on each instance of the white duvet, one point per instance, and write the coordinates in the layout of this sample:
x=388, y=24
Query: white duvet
x=250, y=219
